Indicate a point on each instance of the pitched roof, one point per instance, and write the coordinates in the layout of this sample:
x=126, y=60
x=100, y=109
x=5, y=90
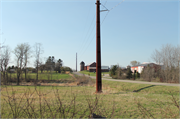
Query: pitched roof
x=145, y=64
x=91, y=63
x=141, y=65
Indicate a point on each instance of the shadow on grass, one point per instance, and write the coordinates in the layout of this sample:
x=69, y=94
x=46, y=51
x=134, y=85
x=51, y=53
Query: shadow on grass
x=143, y=88
x=125, y=92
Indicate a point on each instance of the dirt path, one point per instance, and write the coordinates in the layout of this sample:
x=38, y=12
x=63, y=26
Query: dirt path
x=131, y=81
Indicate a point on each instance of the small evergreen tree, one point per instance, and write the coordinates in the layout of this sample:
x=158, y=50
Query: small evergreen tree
x=138, y=74
x=113, y=70
x=129, y=73
x=119, y=73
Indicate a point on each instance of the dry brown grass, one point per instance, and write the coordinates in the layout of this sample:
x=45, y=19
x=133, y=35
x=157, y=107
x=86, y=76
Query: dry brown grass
x=72, y=81
x=83, y=80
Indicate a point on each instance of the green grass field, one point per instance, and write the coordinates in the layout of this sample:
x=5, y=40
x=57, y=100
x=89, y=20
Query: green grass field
x=43, y=76
x=91, y=73
x=149, y=101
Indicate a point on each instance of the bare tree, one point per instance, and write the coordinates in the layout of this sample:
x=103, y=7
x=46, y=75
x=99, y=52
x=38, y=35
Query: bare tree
x=38, y=51
x=133, y=63
x=19, y=53
x=27, y=55
x=148, y=73
x=169, y=56
x=22, y=52
x=4, y=61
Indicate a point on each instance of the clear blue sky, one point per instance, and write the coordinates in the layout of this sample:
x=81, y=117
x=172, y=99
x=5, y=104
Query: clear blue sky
x=131, y=31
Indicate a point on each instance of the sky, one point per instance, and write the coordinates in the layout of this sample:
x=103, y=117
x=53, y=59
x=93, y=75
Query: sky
x=131, y=30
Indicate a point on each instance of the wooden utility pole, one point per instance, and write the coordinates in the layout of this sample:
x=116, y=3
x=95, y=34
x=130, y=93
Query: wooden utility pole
x=98, y=50
x=76, y=62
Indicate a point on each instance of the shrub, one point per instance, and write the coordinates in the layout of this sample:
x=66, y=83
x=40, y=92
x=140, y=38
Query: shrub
x=128, y=73
x=113, y=70
x=64, y=69
x=83, y=80
x=137, y=75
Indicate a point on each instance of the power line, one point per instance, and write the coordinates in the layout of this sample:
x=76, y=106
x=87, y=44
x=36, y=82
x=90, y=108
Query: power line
x=116, y=5
x=89, y=36
x=110, y=10
x=94, y=35
x=104, y=7
x=85, y=39
x=105, y=17
x=87, y=46
x=102, y=22
x=105, y=3
x=86, y=25
x=84, y=29
x=91, y=31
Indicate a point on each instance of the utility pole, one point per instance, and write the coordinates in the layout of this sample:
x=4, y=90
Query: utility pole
x=76, y=62
x=98, y=50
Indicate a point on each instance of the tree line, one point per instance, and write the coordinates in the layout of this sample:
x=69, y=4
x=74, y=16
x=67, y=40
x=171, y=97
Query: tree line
x=23, y=52
x=168, y=58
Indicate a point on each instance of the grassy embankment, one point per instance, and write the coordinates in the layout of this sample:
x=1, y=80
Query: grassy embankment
x=91, y=73
x=148, y=101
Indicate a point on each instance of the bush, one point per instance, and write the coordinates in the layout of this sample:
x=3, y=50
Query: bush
x=64, y=69
x=128, y=73
x=113, y=70
x=83, y=80
x=137, y=75
x=114, y=76
x=119, y=72
x=63, y=72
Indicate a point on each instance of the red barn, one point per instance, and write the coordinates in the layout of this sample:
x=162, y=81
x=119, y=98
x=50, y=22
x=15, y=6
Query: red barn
x=92, y=68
